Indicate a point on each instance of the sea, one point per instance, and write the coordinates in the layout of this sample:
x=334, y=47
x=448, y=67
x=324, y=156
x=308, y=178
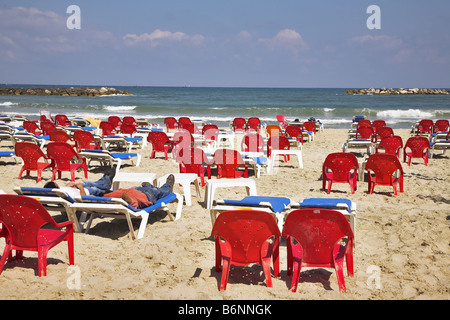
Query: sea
x=331, y=106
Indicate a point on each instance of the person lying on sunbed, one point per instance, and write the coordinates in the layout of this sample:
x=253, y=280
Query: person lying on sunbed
x=145, y=195
x=87, y=188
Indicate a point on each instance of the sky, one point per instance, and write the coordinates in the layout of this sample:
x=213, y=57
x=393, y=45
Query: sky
x=209, y=43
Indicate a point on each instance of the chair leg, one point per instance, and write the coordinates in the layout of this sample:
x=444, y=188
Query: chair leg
x=6, y=254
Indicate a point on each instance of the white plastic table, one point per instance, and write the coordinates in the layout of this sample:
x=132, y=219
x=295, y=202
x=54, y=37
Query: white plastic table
x=213, y=184
x=275, y=153
x=185, y=180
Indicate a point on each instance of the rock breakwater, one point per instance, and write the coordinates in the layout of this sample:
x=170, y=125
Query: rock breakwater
x=398, y=91
x=74, y=92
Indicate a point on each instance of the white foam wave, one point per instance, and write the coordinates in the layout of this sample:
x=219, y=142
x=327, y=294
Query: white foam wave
x=119, y=108
x=329, y=109
x=402, y=114
x=8, y=104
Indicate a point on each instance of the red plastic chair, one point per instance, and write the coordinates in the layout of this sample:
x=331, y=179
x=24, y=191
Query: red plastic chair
x=273, y=130
x=210, y=132
x=382, y=133
x=282, y=120
x=31, y=127
x=30, y=154
x=343, y=168
x=191, y=127
x=171, y=123
x=239, y=124
x=309, y=126
x=364, y=123
x=180, y=140
x=278, y=143
x=390, y=145
x=294, y=132
x=387, y=171
x=194, y=160
x=23, y=217
x=425, y=126
x=243, y=237
x=62, y=153
x=228, y=161
x=115, y=120
x=85, y=140
x=129, y=120
x=47, y=127
x=418, y=148
x=364, y=132
x=183, y=121
x=160, y=143
x=126, y=128
x=441, y=125
x=252, y=142
x=318, y=234
x=59, y=135
x=62, y=120
x=253, y=123
x=376, y=124
x=108, y=128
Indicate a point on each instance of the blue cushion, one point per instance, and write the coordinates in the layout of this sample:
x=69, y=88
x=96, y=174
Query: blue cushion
x=325, y=203
x=278, y=203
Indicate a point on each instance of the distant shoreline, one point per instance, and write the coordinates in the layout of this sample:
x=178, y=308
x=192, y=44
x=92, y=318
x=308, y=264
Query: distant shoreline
x=66, y=92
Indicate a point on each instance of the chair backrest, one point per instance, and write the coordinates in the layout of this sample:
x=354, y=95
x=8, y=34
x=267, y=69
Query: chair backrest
x=170, y=122
x=364, y=123
x=384, y=132
x=183, y=121
x=294, y=131
x=340, y=163
x=83, y=139
x=30, y=126
x=23, y=217
x=254, y=123
x=210, y=131
x=127, y=128
x=252, y=142
x=245, y=231
x=391, y=145
x=59, y=135
x=273, y=130
x=278, y=143
x=108, y=128
x=62, y=120
x=239, y=124
x=115, y=120
x=227, y=160
x=158, y=139
x=280, y=118
x=426, y=125
x=309, y=126
x=317, y=231
x=30, y=153
x=129, y=120
x=192, y=158
x=441, y=125
x=364, y=132
x=47, y=127
x=376, y=124
x=417, y=145
x=61, y=153
x=383, y=165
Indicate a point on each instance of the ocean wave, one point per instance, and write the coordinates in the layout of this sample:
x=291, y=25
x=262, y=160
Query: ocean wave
x=405, y=114
x=8, y=104
x=119, y=108
x=329, y=109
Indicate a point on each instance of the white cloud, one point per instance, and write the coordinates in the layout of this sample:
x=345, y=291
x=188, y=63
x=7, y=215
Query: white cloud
x=381, y=41
x=285, y=39
x=159, y=37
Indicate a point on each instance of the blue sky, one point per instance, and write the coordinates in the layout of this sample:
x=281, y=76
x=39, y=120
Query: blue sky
x=246, y=43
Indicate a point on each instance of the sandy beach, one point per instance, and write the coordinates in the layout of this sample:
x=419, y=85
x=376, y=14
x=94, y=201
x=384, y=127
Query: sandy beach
x=402, y=242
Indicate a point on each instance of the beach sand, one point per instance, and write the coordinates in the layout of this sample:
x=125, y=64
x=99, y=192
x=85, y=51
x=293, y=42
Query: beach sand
x=402, y=242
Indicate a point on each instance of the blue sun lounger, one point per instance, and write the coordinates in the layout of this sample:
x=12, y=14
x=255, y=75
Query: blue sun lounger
x=278, y=206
